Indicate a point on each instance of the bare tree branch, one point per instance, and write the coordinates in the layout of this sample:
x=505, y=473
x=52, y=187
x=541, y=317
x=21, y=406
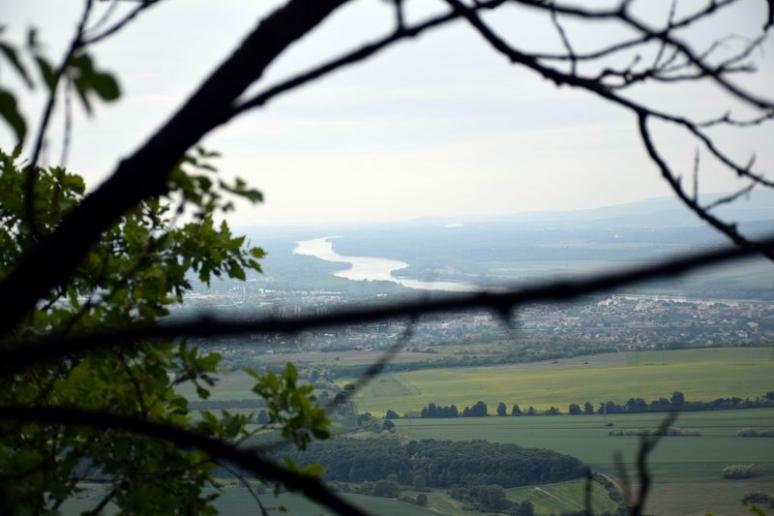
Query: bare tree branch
x=642, y=112
x=622, y=14
x=729, y=198
x=145, y=174
x=647, y=445
x=730, y=230
x=32, y=170
x=355, y=56
x=242, y=480
x=123, y=22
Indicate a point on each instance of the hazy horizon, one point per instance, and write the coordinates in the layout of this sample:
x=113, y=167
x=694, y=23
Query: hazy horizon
x=438, y=126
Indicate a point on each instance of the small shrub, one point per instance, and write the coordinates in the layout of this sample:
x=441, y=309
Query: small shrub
x=755, y=432
x=741, y=471
x=386, y=488
x=759, y=498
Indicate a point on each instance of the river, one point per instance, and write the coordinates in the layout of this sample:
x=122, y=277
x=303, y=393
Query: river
x=371, y=268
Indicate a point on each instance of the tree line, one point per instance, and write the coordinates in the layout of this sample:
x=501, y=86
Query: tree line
x=676, y=401
x=440, y=464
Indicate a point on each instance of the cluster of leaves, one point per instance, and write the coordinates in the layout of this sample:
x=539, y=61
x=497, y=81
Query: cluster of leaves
x=137, y=272
x=79, y=71
x=292, y=406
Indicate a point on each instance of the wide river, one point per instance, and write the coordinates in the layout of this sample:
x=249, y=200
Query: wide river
x=369, y=268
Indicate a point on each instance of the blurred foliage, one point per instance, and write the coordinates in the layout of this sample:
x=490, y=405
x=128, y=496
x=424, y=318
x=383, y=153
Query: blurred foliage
x=141, y=267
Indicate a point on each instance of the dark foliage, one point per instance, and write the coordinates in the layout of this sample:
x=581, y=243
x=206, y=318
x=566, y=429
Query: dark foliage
x=439, y=463
x=433, y=410
x=479, y=409
x=678, y=402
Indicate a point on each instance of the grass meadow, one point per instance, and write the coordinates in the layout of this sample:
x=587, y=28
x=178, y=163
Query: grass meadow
x=701, y=374
x=563, y=497
x=687, y=470
x=676, y=459
x=237, y=501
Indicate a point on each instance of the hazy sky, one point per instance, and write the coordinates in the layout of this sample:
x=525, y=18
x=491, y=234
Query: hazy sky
x=438, y=126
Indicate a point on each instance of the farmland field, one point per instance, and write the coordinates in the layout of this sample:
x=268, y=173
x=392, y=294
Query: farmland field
x=683, y=467
x=562, y=497
x=586, y=437
x=701, y=374
x=237, y=501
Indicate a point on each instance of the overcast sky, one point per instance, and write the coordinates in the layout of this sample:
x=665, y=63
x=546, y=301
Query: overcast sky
x=438, y=126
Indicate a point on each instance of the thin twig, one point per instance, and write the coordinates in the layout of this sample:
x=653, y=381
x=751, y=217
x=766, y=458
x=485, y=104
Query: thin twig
x=91, y=40
x=647, y=445
x=565, y=42
x=729, y=198
x=587, y=485
x=68, y=122
x=352, y=57
x=32, y=170
x=242, y=480
x=102, y=503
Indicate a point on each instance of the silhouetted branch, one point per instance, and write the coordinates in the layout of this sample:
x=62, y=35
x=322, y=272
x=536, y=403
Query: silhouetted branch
x=729, y=198
x=565, y=42
x=32, y=170
x=648, y=442
x=145, y=174
x=623, y=475
x=242, y=480
x=119, y=24
x=102, y=504
x=643, y=112
x=21, y=353
x=730, y=230
x=376, y=368
x=355, y=56
x=587, y=484
x=623, y=15
x=726, y=119
x=647, y=445
x=68, y=124
x=219, y=450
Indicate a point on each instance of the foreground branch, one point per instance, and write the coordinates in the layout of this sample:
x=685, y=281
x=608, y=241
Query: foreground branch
x=18, y=354
x=220, y=450
x=145, y=174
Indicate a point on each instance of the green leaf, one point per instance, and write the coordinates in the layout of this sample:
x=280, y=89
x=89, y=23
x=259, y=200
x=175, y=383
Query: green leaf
x=10, y=112
x=202, y=392
x=12, y=56
x=46, y=71
x=88, y=79
x=106, y=86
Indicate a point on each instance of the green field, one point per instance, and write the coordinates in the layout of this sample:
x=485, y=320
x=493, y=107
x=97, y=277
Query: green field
x=701, y=374
x=586, y=437
x=563, y=497
x=237, y=501
x=680, y=465
x=687, y=470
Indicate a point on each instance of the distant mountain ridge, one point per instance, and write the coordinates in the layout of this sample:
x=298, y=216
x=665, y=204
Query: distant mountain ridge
x=658, y=213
